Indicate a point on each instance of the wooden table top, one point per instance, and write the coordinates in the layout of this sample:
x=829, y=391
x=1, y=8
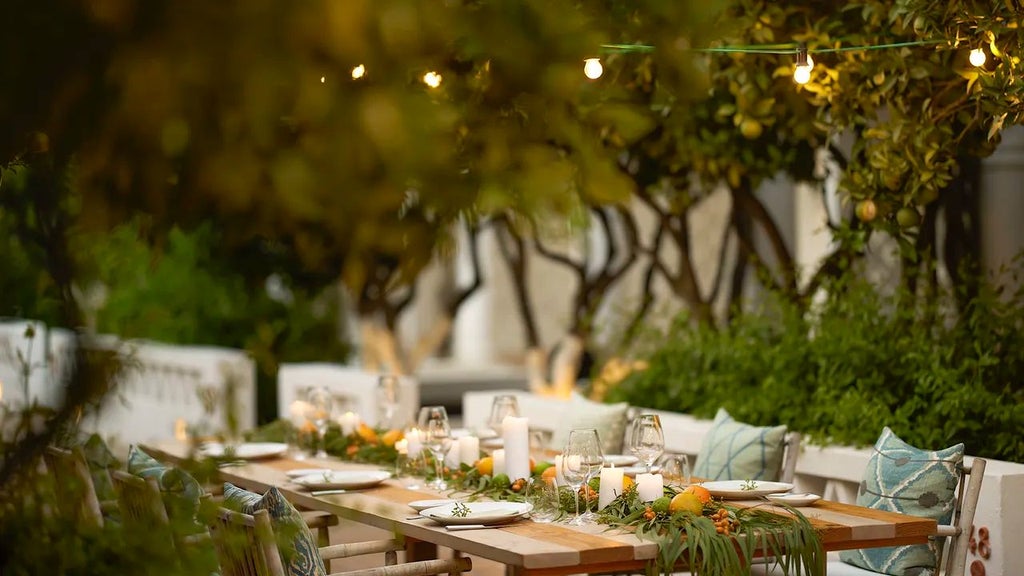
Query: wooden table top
x=539, y=549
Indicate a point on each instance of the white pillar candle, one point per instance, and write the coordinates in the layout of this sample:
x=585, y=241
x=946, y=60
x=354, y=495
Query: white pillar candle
x=415, y=442
x=402, y=446
x=499, y=461
x=469, y=449
x=297, y=411
x=649, y=487
x=349, y=422
x=515, y=433
x=451, y=459
x=611, y=486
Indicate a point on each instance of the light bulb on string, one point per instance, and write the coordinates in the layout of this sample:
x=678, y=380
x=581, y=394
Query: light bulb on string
x=977, y=57
x=358, y=72
x=592, y=68
x=804, y=65
x=323, y=79
x=432, y=79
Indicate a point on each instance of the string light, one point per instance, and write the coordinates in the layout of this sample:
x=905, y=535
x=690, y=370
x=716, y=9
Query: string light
x=432, y=79
x=804, y=65
x=358, y=72
x=977, y=57
x=323, y=79
x=592, y=68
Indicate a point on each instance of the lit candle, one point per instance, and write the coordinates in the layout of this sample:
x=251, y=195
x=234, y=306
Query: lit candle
x=415, y=442
x=402, y=446
x=349, y=422
x=297, y=413
x=469, y=449
x=649, y=487
x=499, y=461
x=515, y=433
x=180, y=430
x=611, y=486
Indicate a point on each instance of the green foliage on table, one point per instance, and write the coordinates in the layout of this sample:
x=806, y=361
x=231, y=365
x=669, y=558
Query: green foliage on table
x=860, y=361
x=365, y=445
x=494, y=486
x=791, y=541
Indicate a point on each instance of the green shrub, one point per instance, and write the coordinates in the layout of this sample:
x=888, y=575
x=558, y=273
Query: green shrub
x=861, y=361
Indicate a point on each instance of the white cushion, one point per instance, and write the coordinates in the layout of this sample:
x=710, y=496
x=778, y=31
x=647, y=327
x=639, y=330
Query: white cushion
x=608, y=419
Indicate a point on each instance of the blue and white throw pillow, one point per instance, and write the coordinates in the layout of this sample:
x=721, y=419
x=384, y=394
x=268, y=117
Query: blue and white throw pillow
x=736, y=451
x=180, y=491
x=297, y=545
x=909, y=480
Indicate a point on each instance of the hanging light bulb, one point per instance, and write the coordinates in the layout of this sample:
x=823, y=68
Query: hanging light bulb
x=804, y=65
x=432, y=79
x=592, y=68
x=323, y=79
x=358, y=72
x=977, y=57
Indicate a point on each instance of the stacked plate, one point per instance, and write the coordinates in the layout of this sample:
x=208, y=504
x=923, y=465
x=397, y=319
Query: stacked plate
x=483, y=513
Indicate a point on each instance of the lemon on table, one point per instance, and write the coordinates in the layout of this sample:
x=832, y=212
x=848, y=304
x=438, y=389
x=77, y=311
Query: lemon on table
x=485, y=466
x=686, y=502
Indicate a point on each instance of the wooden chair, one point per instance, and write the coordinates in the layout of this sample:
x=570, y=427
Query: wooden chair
x=953, y=538
x=790, y=453
x=73, y=486
x=139, y=501
x=246, y=546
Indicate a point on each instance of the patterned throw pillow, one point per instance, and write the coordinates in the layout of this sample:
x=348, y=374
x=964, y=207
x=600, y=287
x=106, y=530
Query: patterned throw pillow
x=297, y=545
x=608, y=419
x=902, y=478
x=736, y=451
x=180, y=490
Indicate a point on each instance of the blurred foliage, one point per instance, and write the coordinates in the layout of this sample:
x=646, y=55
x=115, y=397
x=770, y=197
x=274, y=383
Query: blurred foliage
x=860, y=361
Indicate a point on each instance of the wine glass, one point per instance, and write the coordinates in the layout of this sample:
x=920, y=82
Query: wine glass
x=321, y=405
x=646, y=439
x=503, y=405
x=581, y=459
x=387, y=400
x=437, y=437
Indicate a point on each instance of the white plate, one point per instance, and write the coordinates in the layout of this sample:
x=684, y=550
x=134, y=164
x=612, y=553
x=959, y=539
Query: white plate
x=485, y=513
x=742, y=489
x=344, y=479
x=244, y=451
x=619, y=460
x=805, y=499
x=421, y=505
x=634, y=470
x=299, y=472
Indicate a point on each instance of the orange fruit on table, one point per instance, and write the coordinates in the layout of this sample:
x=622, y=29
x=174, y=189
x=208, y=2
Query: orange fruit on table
x=390, y=437
x=549, y=473
x=701, y=492
x=485, y=466
x=366, y=433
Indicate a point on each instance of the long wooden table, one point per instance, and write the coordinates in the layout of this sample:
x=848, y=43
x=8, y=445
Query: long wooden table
x=537, y=549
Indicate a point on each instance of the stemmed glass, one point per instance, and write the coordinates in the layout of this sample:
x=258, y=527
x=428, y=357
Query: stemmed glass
x=321, y=406
x=646, y=439
x=437, y=437
x=387, y=400
x=581, y=459
x=503, y=405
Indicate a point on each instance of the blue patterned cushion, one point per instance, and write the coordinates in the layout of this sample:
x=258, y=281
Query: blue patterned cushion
x=180, y=490
x=902, y=478
x=736, y=451
x=297, y=544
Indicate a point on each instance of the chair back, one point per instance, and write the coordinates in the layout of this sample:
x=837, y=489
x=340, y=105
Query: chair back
x=139, y=500
x=959, y=530
x=245, y=544
x=790, y=453
x=73, y=486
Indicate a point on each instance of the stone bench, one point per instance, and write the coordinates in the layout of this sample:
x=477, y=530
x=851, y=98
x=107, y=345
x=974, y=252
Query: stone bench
x=832, y=471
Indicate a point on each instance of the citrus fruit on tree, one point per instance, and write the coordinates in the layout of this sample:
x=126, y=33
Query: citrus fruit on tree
x=908, y=217
x=485, y=466
x=751, y=129
x=866, y=210
x=686, y=502
x=701, y=492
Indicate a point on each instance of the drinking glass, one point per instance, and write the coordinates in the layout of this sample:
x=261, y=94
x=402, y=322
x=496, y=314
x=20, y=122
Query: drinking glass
x=542, y=494
x=502, y=406
x=437, y=437
x=646, y=439
x=387, y=401
x=676, y=469
x=581, y=459
x=321, y=406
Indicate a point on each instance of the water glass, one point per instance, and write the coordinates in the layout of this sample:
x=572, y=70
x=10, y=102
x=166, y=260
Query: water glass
x=582, y=458
x=646, y=439
x=437, y=437
x=542, y=494
x=503, y=405
x=387, y=401
x=321, y=409
x=676, y=469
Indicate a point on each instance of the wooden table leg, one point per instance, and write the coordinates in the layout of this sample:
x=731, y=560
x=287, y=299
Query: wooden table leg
x=418, y=550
